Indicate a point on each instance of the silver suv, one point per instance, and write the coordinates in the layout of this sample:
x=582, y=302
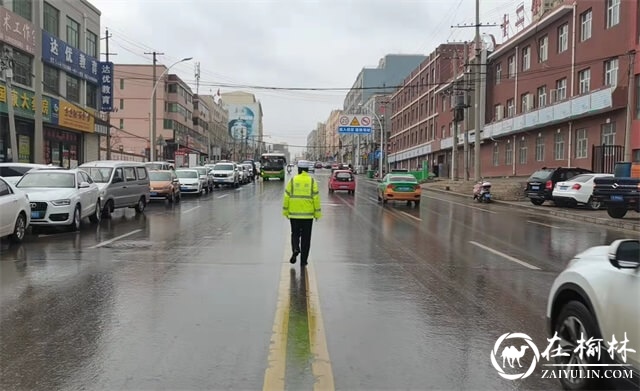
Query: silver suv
x=226, y=174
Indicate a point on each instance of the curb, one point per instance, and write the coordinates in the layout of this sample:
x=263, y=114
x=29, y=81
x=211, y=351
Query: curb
x=620, y=224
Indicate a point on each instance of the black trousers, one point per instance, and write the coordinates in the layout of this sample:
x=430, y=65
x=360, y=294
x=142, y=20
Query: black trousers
x=301, y=237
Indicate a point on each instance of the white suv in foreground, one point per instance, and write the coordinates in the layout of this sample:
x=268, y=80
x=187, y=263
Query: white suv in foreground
x=598, y=296
x=226, y=173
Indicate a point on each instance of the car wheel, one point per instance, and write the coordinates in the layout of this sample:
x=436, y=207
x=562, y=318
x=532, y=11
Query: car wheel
x=107, y=209
x=617, y=212
x=536, y=201
x=574, y=321
x=593, y=204
x=19, y=229
x=75, y=223
x=416, y=203
x=97, y=214
x=141, y=205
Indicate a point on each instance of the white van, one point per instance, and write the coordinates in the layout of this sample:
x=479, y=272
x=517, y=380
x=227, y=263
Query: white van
x=122, y=184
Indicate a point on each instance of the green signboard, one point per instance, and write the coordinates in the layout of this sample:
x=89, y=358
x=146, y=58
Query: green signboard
x=24, y=103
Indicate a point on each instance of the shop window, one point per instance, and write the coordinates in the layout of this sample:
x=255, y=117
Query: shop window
x=22, y=69
x=23, y=8
x=51, y=79
x=92, y=96
x=51, y=19
x=73, y=88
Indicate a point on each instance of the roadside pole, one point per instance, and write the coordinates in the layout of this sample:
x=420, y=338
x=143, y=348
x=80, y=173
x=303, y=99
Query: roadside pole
x=7, y=70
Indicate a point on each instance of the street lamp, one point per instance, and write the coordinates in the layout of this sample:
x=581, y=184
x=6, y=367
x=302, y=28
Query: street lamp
x=152, y=130
x=381, y=161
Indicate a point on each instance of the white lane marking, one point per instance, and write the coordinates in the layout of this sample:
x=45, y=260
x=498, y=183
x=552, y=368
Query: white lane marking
x=190, y=209
x=543, y=224
x=222, y=196
x=410, y=215
x=373, y=200
x=101, y=244
x=509, y=257
x=457, y=203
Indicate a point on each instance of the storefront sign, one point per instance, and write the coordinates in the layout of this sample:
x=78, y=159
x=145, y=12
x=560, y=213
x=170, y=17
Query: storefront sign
x=61, y=55
x=73, y=117
x=24, y=103
x=17, y=31
x=106, y=86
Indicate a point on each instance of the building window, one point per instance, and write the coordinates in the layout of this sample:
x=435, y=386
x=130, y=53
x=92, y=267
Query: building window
x=22, y=68
x=563, y=38
x=122, y=84
x=543, y=51
x=73, y=88
x=122, y=104
x=637, y=97
x=512, y=66
x=611, y=72
x=561, y=89
x=581, y=144
x=23, y=8
x=558, y=149
x=121, y=123
x=499, y=111
x=542, y=96
x=51, y=20
x=609, y=133
x=508, y=154
x=613, y=13
x=540, y=148
x=585, y=25
x=92, y=44
x=51, y=78
x=522, y=153
x=73, y=33
x=511, y=110
x=584, y=78
x=526, y=58
x=496, y=154
x=92, y=96
x=498, y=73
x=526, y=103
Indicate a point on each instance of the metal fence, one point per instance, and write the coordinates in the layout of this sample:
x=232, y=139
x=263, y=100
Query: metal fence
x=605, y=157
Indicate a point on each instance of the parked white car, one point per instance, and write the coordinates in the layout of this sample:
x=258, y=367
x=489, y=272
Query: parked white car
x=226, y=173
x=61, y=197
x=597, y=296
x=15, y=212
x=578, y=190
x=12, y=172
x=190, y=181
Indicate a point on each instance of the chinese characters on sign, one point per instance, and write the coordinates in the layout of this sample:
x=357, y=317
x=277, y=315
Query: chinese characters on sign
x=353, y=130
x=61, y=55
x=591, y=347
x=73, y=117
x=106, y=86
x=24, y=103
x=17, y=31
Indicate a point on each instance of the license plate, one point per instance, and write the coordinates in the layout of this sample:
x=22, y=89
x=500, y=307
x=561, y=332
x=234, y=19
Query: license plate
x=218, y=180
x=35, y=215
x=404, y=189
x=535, y=187
x=617, y=198
x=344, y=187
x=184, y=188
x=153, y=194
x=564, y=187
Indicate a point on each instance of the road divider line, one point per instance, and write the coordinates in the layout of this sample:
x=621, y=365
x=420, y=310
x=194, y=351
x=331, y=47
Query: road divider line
x=506, y=256
x=321, y=365
x=274, y=375
x=543, y=224
x=373, y=200
x=101, y=244
x=410, y=215
x=222, y=196
x=458, y=203
x=190, y=209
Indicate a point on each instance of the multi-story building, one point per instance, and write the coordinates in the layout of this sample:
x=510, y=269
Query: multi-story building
x=245, y=123
x=201, y=120
x=218, y=136
x=61, y=80
x=332, y=139
x=377, y=105
x=176, y=136
x=312, y=143
x=391, y=71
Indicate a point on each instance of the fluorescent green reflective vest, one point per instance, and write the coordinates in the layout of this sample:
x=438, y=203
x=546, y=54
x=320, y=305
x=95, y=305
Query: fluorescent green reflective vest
x=302, y=198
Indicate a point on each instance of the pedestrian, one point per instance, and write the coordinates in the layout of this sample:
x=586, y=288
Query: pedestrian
x=301, y=205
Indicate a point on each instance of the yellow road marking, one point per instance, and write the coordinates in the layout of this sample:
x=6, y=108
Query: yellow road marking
x=321, y=365
x=274, y=375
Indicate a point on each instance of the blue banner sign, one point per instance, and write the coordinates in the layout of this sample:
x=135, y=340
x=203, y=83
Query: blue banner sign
x=354, y=130
x=106, y=86
x=61, y=55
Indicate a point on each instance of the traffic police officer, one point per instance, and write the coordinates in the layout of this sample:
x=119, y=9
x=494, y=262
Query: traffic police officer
x=301, y=205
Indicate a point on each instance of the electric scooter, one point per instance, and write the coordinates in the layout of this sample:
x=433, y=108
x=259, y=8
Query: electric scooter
x=482, y=191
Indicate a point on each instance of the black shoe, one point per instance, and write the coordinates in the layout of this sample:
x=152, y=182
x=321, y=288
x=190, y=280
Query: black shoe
x=303, y=263
x=294, y=257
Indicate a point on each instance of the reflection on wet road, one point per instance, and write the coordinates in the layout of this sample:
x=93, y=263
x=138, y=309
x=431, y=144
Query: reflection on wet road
x=200, y=295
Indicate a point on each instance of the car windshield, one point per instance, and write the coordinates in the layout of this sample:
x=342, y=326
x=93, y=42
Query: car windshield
x=404, y=178
x=201, y=171
x=344, y=175
x=159, y=176
x=187, y=174
x=62, y=180
x=581, y=178
x=223, y=167
x=541, y=175
x=273, y=162
x=99, y=174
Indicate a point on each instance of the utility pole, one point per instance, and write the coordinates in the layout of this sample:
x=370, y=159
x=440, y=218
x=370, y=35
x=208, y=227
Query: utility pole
x=107, y=54
x=627, y=133
x=454, y=95
x=7, y=70
x=467, y=80
x=152, y=142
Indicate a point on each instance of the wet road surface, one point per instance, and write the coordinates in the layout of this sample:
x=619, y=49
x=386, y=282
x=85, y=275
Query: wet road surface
x=200, y=295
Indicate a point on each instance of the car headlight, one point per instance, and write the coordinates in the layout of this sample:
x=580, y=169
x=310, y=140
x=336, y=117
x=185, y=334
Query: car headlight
x=61, y=202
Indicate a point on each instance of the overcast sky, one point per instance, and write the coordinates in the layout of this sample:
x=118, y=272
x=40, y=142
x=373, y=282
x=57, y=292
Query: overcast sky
x=288, y=43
